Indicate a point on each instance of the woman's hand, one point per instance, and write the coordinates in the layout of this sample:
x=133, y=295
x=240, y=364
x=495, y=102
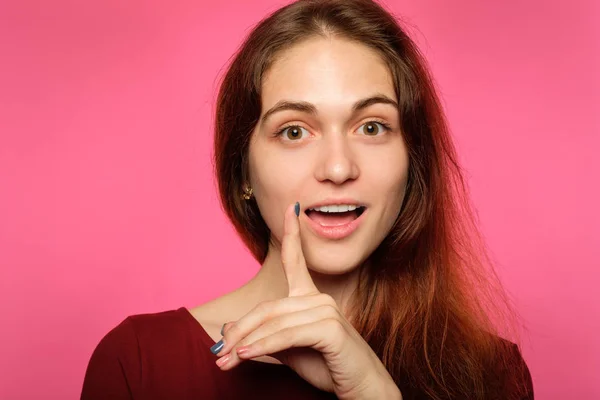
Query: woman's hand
x=308, y=332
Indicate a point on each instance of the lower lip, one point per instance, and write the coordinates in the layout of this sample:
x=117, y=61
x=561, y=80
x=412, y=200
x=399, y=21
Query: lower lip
x=335, y=232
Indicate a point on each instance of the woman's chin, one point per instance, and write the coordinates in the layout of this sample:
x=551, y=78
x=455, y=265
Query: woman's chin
x=330, y=263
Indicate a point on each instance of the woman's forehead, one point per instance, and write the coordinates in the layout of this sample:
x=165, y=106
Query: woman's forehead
x=326, y=71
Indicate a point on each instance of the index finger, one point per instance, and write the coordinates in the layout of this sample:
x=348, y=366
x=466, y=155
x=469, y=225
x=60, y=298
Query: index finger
x=300, y=282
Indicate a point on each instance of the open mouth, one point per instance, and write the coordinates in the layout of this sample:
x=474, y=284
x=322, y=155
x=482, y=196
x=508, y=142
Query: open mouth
x=334, y=215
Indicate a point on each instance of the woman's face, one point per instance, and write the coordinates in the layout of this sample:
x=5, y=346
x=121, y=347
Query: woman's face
x=329, y=135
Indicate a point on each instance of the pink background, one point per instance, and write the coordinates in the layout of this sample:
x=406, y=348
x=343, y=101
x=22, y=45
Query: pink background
x=108, y=207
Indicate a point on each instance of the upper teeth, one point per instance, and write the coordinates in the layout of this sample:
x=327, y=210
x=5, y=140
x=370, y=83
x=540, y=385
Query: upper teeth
x=336, y=208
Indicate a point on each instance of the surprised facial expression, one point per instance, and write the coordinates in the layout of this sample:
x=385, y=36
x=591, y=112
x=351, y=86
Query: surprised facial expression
x=329, y=137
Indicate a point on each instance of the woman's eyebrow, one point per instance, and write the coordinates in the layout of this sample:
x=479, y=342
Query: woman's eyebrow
x=310, y=108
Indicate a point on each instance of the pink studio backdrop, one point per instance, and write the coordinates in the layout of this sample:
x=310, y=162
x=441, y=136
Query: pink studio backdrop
x=108, y=206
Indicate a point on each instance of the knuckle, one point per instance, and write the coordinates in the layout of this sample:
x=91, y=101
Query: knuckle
x=326, y=299
x=230, y=328
x=262, y=307
x=267, y=309
x=335, y=326
x=331, y=312
x=276, y=325
x=287, y=335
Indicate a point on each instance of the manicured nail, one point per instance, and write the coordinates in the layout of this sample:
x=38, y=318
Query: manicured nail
x=223, y=329
x=223, y=360
x=243, y=350
x=216, y=348
x=297, y=209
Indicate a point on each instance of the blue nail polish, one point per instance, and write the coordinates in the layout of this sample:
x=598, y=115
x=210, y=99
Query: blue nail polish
x=297, y=209
x=222, y=329
x=217, y=347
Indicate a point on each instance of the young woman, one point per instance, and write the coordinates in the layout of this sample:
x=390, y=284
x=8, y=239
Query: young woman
x=335, y=165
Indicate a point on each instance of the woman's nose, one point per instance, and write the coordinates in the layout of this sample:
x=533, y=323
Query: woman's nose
x=337, y=161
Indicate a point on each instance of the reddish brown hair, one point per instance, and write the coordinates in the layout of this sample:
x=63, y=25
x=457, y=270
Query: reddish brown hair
x=428, y=303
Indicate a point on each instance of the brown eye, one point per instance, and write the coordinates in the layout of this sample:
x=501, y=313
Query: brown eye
x=372, y=128
x=292, y=133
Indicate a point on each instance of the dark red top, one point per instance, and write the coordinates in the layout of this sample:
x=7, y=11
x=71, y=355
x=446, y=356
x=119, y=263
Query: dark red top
x=166, y=356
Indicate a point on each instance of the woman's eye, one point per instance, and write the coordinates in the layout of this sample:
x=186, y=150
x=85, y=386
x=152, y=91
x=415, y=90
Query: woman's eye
x=296, y=132
x=373, y=128
x=292, y=133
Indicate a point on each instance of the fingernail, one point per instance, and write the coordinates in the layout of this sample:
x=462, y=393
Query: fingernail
x=297, y=209
x=243, y=350
x=223, y=360
x=217, y=346
x=223, y=329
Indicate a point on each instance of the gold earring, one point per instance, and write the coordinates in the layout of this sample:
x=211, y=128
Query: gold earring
x=247, y=193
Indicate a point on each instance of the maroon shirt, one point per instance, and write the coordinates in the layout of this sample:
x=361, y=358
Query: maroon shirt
x=166, y=356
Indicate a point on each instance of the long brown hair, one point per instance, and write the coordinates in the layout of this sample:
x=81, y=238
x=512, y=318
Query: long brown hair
x=428, y=303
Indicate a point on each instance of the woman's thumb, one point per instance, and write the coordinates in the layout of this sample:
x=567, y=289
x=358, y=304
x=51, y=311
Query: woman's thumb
x=226, y=326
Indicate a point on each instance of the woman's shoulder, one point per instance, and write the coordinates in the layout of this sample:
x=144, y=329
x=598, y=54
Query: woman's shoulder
x=114, y=365
x=155, y=332
x=165, y=347
x=147, y=327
